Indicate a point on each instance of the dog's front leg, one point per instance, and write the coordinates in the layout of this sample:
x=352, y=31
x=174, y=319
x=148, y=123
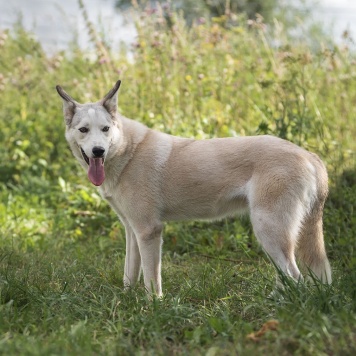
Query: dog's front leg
x=132, y=259
x=149, y=242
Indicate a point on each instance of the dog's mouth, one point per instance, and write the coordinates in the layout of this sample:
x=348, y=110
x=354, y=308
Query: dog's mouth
x=96, y=172
x=86, y=158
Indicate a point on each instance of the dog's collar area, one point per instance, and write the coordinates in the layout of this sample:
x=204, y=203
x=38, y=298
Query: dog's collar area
x=86, y=158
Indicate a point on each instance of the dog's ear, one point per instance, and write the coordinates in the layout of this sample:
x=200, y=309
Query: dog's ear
x=69, y=105
x=110, y=100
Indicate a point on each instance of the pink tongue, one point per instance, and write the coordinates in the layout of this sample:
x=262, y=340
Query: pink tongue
x=96, y=172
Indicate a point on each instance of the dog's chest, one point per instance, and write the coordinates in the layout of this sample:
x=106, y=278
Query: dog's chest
x=107, y=190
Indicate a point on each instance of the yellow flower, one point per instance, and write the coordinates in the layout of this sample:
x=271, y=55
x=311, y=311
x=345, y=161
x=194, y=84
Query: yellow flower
x=188, y=78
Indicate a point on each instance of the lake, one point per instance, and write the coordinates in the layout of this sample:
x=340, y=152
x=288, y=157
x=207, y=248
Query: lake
x=57, y=23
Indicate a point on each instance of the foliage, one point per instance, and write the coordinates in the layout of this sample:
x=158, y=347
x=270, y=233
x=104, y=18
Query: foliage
x=62, y=249
x=205, y=9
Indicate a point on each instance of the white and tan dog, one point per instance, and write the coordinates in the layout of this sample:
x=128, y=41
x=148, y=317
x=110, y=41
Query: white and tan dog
x=149, y=177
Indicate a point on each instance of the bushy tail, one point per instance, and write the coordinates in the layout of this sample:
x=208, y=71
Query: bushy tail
x=311, y=249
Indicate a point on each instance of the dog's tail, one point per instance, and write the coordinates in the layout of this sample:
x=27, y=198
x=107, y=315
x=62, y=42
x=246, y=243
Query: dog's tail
x=311, y=249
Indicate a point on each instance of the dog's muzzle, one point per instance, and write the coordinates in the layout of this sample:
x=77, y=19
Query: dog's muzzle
x=96, y=172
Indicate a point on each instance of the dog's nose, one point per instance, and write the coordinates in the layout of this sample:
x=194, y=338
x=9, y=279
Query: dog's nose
x=98, y=151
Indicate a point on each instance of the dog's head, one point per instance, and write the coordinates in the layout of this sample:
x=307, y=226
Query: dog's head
x=91, y=131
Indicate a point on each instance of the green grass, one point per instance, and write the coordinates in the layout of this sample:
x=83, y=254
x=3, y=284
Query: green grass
x=62, y=248
x=73, y=302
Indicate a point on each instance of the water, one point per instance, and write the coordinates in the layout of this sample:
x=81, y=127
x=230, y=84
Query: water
x=56, y=23
x=339, y=13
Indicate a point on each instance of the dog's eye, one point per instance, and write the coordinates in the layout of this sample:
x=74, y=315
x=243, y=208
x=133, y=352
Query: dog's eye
x=106, y=128
x=83, y=129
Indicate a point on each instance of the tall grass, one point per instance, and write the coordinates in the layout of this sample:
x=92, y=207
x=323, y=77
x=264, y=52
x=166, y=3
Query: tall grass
x=62, y=249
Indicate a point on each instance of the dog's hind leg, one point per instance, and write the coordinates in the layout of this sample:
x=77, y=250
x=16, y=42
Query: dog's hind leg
x=149, y=242
x=132, y=259
x=278, y=236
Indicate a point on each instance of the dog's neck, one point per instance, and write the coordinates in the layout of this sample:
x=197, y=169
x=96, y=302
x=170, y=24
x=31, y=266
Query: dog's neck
x=132, y=134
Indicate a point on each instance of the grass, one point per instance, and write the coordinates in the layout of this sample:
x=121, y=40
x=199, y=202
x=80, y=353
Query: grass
x=74, y=302
x=62, y=248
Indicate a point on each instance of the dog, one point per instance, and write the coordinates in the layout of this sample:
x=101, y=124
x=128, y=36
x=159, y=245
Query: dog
x=149, y=177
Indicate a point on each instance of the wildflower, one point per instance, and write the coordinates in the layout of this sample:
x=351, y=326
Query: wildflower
x=230, y=61
x=165, y=6
x=201, y=21
x=151, y=11
x=346, y=35
x=188, y=78
x=3, y=36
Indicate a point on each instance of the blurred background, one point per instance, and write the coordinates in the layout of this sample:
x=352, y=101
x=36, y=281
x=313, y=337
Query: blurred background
x=59, y=23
